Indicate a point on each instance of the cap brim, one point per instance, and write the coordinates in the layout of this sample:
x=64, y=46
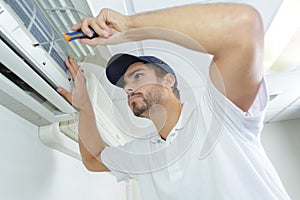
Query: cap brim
x=117, y=66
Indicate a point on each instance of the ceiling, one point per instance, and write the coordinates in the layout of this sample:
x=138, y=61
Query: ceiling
x=282, y=43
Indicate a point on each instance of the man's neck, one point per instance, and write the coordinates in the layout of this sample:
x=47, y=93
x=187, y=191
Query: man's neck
x=165, y=116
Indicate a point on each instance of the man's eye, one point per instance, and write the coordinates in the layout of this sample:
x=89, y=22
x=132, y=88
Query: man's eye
x=138, y=75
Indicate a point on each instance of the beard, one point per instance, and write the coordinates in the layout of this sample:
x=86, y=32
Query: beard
x=141, y=107
x=138, y=110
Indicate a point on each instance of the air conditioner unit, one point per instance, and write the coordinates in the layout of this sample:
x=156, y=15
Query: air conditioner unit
x=30, y=75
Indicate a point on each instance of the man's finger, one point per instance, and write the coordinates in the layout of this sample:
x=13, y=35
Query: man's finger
x=71, y=69
x=73, y=63
x=99, y=30
x=92, y=42
x=67, y=95
x=85, y=26
x=76, y=27
x=103, y=24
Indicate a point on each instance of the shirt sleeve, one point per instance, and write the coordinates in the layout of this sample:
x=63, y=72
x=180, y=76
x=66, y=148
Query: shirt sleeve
x=248, y=124
x=110, y=160
x=123, y=160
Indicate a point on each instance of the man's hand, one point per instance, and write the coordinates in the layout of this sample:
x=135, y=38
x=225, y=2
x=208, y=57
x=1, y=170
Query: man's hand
x=79, y=96
x=107, y=23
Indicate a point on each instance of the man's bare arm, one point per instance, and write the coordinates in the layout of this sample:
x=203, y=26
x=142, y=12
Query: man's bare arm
x=232, y=33
x=90, y=142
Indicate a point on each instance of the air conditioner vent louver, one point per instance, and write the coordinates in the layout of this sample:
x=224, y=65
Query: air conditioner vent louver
x=63, y=15
x=35, y=21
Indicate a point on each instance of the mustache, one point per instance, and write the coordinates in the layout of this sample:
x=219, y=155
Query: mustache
x=134, y=94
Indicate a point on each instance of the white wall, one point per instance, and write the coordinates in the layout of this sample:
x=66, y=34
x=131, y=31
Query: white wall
x=31, y=171
x=282, y=143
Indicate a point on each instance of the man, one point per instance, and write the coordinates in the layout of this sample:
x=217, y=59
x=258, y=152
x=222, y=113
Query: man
x=205, y=150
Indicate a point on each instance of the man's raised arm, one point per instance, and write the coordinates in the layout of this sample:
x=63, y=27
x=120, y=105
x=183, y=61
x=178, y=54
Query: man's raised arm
x=232, y=33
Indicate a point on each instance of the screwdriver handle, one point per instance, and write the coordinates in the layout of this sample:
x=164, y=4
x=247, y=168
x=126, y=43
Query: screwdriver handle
x=70, y=36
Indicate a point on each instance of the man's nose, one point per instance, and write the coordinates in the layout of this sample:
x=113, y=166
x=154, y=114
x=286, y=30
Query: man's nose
x=128, y=89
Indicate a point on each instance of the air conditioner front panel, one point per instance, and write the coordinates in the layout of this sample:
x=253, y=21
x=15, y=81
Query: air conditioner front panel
x=20, y=102
x=47, y=60
x=18, y=66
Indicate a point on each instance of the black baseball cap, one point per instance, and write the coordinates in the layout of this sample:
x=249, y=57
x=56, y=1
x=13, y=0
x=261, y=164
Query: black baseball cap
x=119, y=63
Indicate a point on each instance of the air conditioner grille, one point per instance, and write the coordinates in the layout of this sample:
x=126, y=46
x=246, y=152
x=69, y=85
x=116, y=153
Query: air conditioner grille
x=35, y=21
x=63, y=14
x=40, y=37
x=58, y=59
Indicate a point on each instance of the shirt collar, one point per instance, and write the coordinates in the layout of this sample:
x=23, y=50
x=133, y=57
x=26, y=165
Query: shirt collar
x=186, y=111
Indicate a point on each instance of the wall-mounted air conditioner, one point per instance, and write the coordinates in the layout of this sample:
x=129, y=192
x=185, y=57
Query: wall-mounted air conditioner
x=30, y=75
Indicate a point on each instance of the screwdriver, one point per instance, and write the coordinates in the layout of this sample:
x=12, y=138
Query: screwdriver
x=70, y=36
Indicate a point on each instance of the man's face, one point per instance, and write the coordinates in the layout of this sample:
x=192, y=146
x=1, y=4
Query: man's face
x=143, y=87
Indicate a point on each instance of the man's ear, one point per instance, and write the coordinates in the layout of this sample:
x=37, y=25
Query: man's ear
x=169, y=80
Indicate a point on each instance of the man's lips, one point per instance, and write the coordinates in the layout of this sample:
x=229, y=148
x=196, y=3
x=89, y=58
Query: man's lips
x=131, y=98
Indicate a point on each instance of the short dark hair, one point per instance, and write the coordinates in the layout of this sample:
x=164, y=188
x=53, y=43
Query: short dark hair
x=160, y=73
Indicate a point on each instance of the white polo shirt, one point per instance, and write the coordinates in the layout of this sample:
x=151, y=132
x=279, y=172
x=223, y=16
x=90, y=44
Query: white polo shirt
x=214, y=152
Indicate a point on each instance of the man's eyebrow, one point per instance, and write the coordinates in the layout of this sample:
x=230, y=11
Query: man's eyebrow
x=133, y=72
